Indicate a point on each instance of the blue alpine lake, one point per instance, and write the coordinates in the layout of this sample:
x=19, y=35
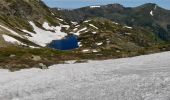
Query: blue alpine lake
x=67, y=43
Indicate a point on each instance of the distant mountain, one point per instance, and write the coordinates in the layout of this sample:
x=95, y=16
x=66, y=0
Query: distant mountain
x=102, y=37
x=149, y=16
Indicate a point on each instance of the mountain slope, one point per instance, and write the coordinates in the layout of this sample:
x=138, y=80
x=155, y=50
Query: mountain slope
x=102, y=37
x=30, y=21
x=149, y=16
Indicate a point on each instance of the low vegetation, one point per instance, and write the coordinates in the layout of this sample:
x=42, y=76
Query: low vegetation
x=16, y=58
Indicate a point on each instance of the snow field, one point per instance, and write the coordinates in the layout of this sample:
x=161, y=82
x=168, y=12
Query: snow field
x=138, y=78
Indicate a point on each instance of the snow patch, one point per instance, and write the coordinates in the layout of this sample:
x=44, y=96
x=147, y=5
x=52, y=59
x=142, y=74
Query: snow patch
x=11, y=31
x=47, y=27
x=11, y=39
x=115, y=23
x=74, y=23
x=85, y=50
x=137, y=78
x=81, y=30
x=94, y=6
x=95, y=51
x=77, y=26
x=79, y=44
x=59, y=9
x=151, y=13
x=57, y=29
x=99, y=43
x=75, y=29
x=86, y=21
x=65, y=26
x=128, y=27
x=93, y=26
x=94, y=32
x=76, y=33
x=60, y=19
x=15, y=41
x=43, y=37
x=86, y=31
x=127, y=33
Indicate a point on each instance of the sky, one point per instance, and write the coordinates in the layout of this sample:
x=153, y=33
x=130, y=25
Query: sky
x=71, y=4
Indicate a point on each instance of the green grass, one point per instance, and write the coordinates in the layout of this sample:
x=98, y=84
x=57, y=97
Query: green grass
x=23, y=56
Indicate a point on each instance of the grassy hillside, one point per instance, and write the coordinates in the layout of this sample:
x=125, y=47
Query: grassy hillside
x=149, y=16
x=100, y=39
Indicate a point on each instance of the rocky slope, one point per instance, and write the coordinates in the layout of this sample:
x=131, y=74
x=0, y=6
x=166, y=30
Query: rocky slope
x=103, y=37
x=29, y=23
x=149, y=16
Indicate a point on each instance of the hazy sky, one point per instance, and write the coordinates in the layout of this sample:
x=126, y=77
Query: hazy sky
x=81, y=3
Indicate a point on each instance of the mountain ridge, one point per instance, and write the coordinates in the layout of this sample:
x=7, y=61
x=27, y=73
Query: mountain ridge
x=148, y=15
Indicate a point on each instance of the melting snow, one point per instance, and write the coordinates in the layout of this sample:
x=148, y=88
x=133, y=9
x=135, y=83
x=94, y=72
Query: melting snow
x=86, y=31
x=95, y=51
x=83, y=29
x=93, y=26
x=79, y=43
x=43, y=37
x=15, y=41
x=59, y=9
x=128, y=27
x=57, y=29
x=138, y=78
x=115, y=23
x=127, y=33
x=85, y=50
x=77, y=26
x=94, y=6
x=75, y=29
x=78, y=32
x=94, y=32
x=99, y=43
x=74, y=23
x=86, y=21
x=60, y=19
x=11, y=31
x=151, y=13
x=65, y=26
x=11, y=39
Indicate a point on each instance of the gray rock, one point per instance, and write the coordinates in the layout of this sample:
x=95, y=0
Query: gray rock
x=36, y=58
x=12, y=56
x=41, y=65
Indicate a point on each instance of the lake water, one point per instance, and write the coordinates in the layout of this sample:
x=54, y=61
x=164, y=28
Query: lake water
x=68, y=43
